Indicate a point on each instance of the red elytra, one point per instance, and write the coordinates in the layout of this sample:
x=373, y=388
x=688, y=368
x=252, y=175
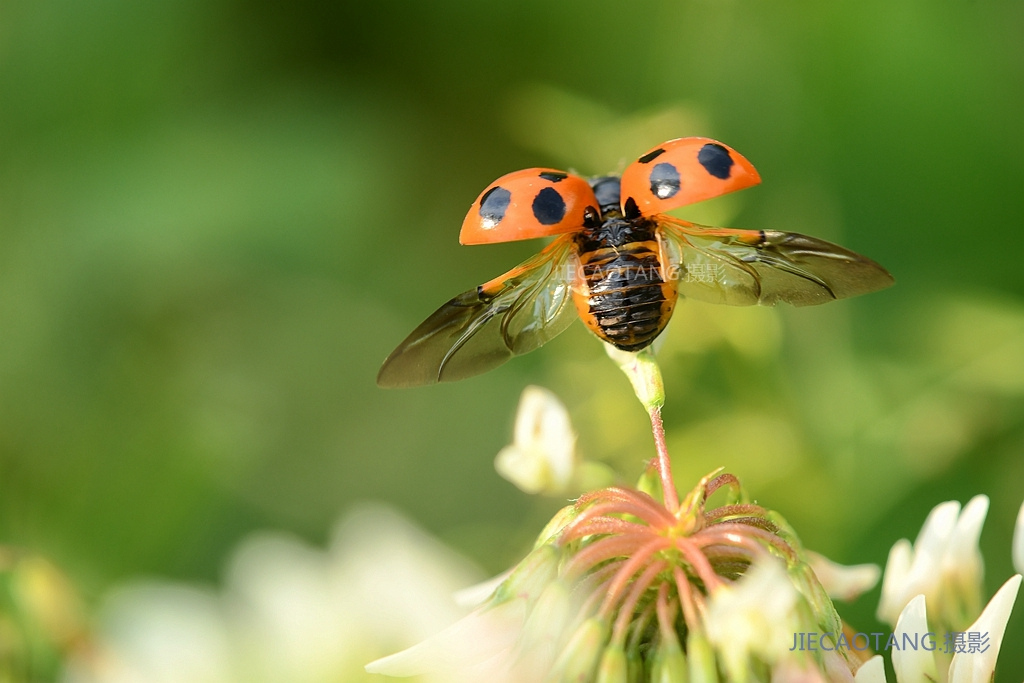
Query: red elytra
x=540, y=202
x=681, y=172
x=536, y=202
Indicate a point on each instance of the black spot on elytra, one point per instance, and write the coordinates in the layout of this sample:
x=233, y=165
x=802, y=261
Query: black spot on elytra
x=554, y=176
x=664, y=180
x=630, y=209
x=493, y=206
x=716, y=160
x=651, y=156
x=548, y=206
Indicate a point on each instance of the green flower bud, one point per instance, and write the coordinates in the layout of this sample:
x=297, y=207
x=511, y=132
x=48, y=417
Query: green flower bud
x=701, y=659
x=579, y=660
x=669, y=662
x=613, y=667
x=530, y=576
x=644, y=374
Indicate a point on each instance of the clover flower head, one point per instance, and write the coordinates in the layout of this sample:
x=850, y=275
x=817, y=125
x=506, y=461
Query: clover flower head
x=619, y=588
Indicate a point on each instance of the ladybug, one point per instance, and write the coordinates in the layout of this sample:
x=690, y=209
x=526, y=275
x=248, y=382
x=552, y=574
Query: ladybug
x=618, y=261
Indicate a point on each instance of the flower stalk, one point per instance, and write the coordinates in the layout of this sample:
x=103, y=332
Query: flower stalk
x=645, y=375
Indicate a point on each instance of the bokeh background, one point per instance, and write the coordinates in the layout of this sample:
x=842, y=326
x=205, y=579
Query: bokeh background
x=217, y=217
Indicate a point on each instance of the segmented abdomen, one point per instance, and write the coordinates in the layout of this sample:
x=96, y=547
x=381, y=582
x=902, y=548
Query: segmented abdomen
x=625, y=300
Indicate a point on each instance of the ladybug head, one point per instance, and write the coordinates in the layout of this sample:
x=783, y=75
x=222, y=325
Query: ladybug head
x=607, y=189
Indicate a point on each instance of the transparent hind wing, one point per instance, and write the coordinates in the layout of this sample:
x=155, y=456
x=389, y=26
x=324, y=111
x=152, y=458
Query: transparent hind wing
x=746, y=267
x=479, y=330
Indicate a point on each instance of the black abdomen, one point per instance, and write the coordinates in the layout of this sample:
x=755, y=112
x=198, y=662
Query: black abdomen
x=626, y=301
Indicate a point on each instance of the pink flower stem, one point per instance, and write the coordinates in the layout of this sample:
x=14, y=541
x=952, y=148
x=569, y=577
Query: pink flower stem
x=602, y=550
x=759, y=522
x=642, y=583
x=738, y=509
x=728, y=533
x=628, y=569
x=720, y=481
x=614, y=508
x=639, y=626
x=685, y=590
x=692, y=553
x=668, y=487
x=595, y=593
x=666, y=614
x=654, y=509
x=603, y=525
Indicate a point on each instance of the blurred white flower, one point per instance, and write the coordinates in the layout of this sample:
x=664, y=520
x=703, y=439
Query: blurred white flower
x=503, y=640
x=542, y=457
x=840, y=581
x=477, y=648
x=944, y=564
x=288, y=611
x=154, y=633
x=755, y=617
x=475, y=595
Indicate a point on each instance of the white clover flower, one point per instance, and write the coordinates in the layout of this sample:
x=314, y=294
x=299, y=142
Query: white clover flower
x=978, y=667
x=843, y=582
x=871, y=671
x=944, y=564
x=945, y=567
x=542, y=456
x=913, y=665
x=476, y=648
x=755, y=617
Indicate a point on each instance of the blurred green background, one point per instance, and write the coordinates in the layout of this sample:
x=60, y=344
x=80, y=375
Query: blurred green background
x=217, y=218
